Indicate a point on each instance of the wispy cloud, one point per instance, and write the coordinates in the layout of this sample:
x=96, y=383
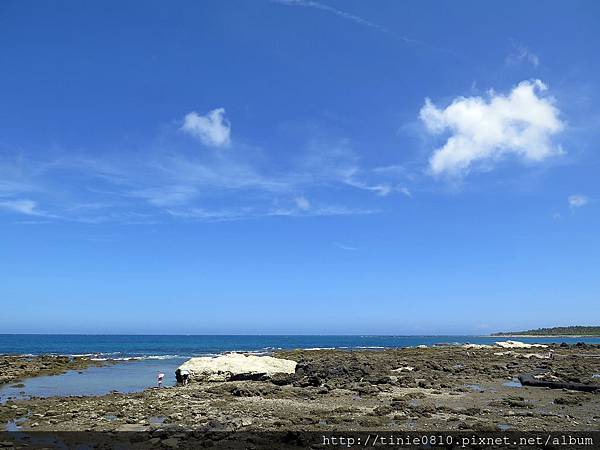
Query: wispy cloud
x=350, y=17
x=382, y=190
x=23, y=206
x=320, y=211
x=578, y=200
x=522, y=54
x=379, y=189
x=172, y=177
x=244, y=213
x=342, y=14
x=343, y=246
x=189, y=183
x=33, y=222
x=168, y=195
x=338, y=163
x=302, y=203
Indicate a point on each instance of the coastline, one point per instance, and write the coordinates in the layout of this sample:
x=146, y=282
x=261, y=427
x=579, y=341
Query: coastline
x=445, y=387
x=545, y=336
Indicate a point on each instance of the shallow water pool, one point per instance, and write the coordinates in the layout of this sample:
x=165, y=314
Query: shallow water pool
x=125, y=377
x=14, y=425
x=515, y=383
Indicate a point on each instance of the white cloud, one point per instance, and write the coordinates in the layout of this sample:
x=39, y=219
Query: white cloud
x=302, y=203
x=24, y=206
x=483, y=131
x=578, y=200
x=213, y=129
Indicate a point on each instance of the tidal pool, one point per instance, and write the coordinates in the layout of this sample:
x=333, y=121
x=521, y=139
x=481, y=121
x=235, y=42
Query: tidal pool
x=125, y=377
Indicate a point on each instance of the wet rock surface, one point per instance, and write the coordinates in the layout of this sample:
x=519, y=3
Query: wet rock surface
x=448, y=388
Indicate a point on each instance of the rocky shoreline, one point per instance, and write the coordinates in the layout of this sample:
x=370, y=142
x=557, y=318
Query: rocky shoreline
x=15, y=368
x=439, y=388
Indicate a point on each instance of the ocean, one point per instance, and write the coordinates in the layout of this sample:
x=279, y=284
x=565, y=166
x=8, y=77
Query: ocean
x=173, y=346
x=142, y=357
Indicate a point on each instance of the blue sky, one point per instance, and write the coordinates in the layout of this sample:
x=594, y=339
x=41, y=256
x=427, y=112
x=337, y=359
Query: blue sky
x=298, y=167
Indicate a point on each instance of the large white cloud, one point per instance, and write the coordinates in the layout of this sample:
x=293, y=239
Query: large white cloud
x=212, y=129
x=484, y=130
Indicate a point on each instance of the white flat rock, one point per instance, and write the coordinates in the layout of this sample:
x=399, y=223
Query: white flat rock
x=536, y=355
x=518, y=344
x=224, y=367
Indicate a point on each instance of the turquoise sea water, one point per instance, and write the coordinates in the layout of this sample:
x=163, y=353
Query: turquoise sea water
x=153, y=354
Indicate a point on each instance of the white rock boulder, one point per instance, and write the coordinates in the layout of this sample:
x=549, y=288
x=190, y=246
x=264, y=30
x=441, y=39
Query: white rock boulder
x=518, y=344
x=235, y=366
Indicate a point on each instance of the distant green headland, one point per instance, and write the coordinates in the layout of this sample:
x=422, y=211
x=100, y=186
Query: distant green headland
x=555, y=331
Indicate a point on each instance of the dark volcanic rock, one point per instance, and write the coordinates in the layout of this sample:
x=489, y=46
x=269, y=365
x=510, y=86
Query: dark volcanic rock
x=282, y=379
x=383, y=410
x=569, y=401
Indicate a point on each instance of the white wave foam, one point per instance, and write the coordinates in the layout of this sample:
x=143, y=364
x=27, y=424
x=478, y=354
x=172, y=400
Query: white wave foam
x=319, y=348
x=148, y=357
x=246, y=352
